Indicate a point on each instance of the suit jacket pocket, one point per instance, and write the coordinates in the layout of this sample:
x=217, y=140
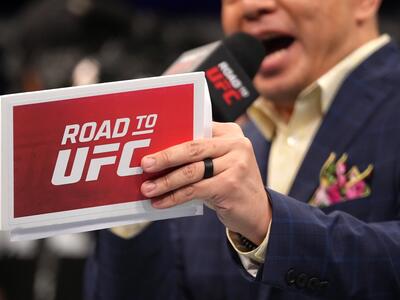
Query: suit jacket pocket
x=358, y=207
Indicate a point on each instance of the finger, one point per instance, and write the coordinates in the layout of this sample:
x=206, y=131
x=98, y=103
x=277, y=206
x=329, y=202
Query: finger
x=204, y=189
x=181, y=177
x=185, y=153
x=226, y=129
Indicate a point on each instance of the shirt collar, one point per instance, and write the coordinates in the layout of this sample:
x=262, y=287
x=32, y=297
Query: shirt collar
x=331, y=81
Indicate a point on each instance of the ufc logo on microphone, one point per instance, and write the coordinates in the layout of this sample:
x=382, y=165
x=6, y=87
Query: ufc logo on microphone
x=88, y=132
x=224, y=78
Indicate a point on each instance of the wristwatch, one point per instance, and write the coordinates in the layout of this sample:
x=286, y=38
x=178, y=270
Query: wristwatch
x=246, y=243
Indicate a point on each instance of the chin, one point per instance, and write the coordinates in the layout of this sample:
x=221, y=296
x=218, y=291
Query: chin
x=278, y=89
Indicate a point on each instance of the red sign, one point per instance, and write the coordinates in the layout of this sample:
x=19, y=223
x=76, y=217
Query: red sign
x=86, y=152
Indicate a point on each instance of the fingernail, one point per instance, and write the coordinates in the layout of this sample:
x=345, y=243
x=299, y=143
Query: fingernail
x=157, y=203
x=148, y=187
x=148, y=162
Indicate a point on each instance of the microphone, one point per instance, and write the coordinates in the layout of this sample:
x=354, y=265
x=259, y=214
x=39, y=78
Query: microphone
x=229, y=66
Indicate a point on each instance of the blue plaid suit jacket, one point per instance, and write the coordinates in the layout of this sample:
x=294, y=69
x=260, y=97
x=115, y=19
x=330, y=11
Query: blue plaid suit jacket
x=349, y=250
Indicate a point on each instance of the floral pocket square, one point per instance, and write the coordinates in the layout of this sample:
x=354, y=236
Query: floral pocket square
x=337, y=184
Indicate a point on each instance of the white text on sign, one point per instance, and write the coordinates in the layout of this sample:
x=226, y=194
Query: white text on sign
x=92, y=132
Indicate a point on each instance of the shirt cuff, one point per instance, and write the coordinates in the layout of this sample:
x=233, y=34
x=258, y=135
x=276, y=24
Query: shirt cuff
x=251, y=260
x=129, y=231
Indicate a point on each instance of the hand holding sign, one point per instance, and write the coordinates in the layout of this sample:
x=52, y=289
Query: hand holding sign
x=236, y=190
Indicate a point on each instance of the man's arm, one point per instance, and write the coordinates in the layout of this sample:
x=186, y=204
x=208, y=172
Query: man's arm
x=333, y=256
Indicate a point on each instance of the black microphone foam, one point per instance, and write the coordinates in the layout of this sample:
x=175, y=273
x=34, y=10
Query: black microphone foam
x=248, y=51
x=229, y=66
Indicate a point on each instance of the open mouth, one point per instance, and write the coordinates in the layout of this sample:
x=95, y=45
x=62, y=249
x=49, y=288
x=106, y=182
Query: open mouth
x=277, y=43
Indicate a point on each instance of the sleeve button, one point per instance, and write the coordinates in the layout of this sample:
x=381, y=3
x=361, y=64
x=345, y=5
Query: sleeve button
x=324, y=284
x=301, y=280
x=290, y=277
x=313, y=284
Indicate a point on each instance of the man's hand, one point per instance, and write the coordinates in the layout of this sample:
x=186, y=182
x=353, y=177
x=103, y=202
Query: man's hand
x=235, y=192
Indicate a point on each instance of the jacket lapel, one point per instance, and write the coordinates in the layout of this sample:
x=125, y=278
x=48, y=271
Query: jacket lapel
x=260, y=146
x=355, y=103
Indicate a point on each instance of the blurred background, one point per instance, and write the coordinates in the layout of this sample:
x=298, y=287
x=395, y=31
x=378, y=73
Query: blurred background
x=57, y=43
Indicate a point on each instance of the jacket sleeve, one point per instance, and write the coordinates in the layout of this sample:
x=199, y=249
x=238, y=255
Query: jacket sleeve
x=143, y=267
x=334, y=256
